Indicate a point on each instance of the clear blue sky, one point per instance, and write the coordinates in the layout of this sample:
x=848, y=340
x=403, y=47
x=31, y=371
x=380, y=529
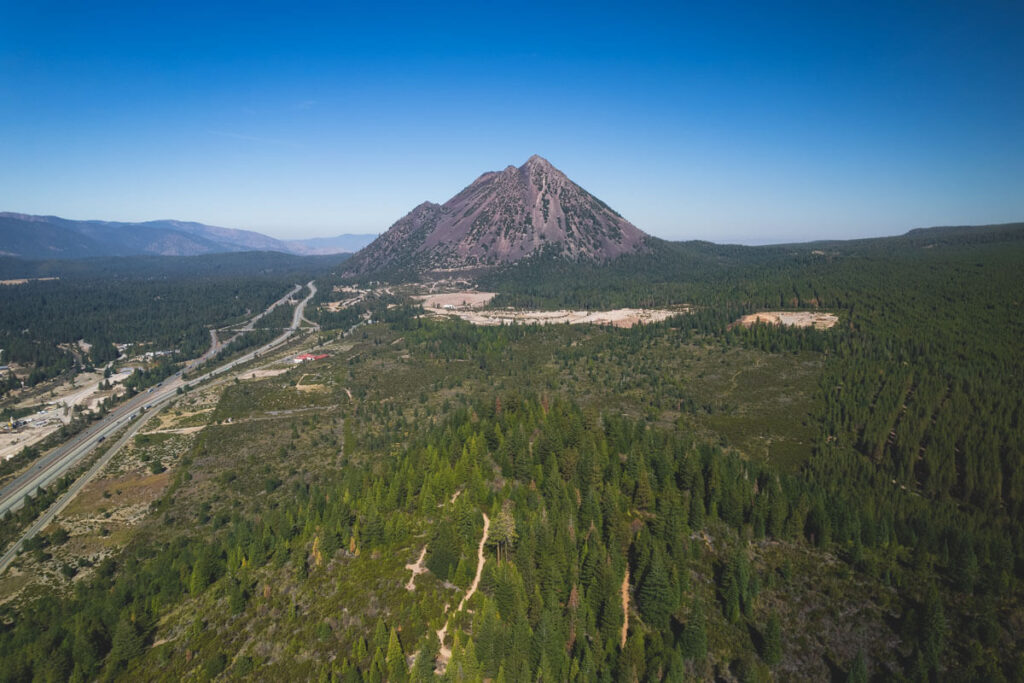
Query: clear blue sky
x=732, y=122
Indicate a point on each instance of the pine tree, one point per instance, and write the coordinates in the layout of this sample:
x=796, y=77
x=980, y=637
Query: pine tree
x=443, y=552
x=858, y=670
x=503, y=530
x=933, y=628
x=655, y=594
x=463, y=666
x=126, y=643
x=380, y=635
x=398, y=671
x=360, y=650
x=694, y=643
x=423, y=667
x=772, y=653
x=730, y=592
x=378, y=669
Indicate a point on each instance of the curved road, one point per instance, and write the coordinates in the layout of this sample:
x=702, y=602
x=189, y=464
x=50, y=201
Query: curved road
x=54, y=464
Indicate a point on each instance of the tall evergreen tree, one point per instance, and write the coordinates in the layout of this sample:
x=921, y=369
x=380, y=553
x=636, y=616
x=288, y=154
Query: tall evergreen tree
x=398, y=670
x=694, y=642
x=772, y=653
x=655, y=593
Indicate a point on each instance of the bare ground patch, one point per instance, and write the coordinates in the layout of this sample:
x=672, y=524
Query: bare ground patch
x=126, y=490
x=819, y=321
x=620, y=317
x=460, y=300
x=260, y=374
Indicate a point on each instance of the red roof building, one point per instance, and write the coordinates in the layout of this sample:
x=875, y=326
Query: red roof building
x=302, y=358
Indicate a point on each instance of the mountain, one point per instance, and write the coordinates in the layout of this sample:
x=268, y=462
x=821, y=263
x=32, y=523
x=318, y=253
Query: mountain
x=51, y=237
x=502, y=217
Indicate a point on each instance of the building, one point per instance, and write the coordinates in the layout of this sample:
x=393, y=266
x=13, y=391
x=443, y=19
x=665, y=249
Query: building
x=302, y=358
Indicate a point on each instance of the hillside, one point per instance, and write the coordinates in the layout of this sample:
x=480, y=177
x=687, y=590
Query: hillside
x=686, y=500
x=49, y=237
x=500, y=218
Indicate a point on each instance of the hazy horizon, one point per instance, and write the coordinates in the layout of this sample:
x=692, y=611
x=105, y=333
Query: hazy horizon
x=752, y=241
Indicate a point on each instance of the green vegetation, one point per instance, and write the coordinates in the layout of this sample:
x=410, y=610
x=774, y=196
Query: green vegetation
x=787, y=504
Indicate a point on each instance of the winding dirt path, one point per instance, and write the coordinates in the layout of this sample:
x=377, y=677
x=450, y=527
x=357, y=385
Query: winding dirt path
x=416, y=570
x=625, y=607
x=445, y=652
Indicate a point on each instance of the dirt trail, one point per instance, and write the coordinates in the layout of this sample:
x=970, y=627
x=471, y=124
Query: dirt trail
x=625, y=607
x=176, y=430
x=416, y=570
x=446, y=653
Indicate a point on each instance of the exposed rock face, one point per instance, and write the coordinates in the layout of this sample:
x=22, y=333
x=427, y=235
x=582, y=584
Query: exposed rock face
x=500, y=218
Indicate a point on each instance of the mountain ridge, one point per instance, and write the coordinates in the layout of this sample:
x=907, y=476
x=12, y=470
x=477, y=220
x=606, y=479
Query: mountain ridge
x=36, y=237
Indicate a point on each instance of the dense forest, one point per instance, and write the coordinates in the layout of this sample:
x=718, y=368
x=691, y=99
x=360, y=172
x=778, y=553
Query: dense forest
x=161, y=303
x=685, y=500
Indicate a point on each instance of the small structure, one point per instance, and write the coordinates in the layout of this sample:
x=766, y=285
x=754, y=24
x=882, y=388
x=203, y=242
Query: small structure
x=304, y=357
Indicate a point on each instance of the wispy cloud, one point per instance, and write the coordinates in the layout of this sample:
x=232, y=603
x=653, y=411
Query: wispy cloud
x=305, y=104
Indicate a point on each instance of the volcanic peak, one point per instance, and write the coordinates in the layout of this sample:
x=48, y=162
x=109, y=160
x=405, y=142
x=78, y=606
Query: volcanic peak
x=500, y=218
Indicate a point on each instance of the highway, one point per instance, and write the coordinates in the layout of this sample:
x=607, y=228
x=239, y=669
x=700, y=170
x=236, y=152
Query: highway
x=58, y=506
x=54, y=464
x=252, y=322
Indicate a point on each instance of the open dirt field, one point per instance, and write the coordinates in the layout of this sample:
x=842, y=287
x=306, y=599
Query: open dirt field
x=11, y=443
x=620, y=317
x=468, y=299
x=124, y=492
x=25, y=281
x=469, y=305
x=58, y=411
x=260, y=374
x=819, y=321
x=335, y=306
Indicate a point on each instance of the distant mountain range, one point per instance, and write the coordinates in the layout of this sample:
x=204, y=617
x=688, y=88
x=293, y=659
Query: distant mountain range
x=50, y=237
x=500, y=218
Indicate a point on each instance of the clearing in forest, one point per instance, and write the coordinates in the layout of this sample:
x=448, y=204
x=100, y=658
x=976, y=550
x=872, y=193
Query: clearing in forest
x=457, y=300
x=819, y=321
x=416, y=569
x=469, y=305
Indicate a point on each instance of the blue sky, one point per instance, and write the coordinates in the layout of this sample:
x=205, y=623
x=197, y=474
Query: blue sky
x=731, y=122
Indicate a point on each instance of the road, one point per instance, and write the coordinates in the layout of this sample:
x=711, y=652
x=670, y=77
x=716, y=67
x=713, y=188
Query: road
x=54, y=464
x=48, y=516
x=249, y=325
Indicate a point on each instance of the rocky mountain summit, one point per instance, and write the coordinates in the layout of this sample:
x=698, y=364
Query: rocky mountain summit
x=504, y=216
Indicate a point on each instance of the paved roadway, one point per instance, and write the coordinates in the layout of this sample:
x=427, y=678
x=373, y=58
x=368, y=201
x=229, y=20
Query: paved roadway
x=48, y=516
x=54, y=464
x=252, y=322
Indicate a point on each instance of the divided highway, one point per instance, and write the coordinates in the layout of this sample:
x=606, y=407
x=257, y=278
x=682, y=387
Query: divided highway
x=54, y=464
